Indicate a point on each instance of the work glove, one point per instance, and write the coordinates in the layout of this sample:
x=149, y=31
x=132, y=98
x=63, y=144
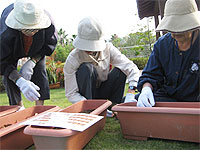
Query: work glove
x=130, y=97
x=27, y=69
x=29, y=89
x=146, y=98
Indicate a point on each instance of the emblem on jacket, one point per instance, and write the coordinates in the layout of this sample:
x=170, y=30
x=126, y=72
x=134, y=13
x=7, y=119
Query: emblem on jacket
x=194, y=67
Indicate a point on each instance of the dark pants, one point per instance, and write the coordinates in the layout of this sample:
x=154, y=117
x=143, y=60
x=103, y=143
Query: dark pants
x=111, y=89
x=39, y=78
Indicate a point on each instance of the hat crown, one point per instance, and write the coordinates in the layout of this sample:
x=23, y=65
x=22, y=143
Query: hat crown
x=90, y=29
x=27, y=12
x=187, y=7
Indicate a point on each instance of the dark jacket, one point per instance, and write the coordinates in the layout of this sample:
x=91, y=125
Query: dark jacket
x=11, y=44
x=175, y=72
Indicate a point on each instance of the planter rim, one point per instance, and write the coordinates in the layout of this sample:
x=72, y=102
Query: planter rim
x=11, y=109
x=18, y=125
x=98, y=110
x=40, y=131
x=162, y=107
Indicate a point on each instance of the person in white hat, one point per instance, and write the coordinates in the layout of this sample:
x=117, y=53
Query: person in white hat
x=26, y=30
x=86, y=70
x=172, y=71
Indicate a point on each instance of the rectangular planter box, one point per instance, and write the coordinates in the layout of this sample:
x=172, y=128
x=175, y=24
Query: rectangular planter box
x=57, y=138
x=167, y=120
x=11, y=131
x=6, y=110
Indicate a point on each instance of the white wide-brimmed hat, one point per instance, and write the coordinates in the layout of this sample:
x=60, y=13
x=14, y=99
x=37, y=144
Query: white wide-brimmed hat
x=90, y=35
x=27, y=14
x=180, y=16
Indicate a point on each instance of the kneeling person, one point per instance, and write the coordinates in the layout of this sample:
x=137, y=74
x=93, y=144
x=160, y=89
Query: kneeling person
x=87, y=68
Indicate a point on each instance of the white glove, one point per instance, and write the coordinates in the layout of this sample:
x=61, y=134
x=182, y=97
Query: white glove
x=27, y=69
x=130, y=97
x=29, y=89
x=146, y=98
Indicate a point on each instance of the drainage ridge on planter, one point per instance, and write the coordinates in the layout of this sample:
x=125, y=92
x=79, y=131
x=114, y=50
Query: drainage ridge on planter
x=11, y=132
x=54, y=138
x=167, y=120
x=6, y=110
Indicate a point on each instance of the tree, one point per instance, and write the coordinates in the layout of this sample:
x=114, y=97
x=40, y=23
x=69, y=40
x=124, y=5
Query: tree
x=62, y=37
x=115, y=40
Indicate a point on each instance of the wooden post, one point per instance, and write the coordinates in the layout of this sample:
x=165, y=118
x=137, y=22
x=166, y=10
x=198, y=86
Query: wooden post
x=156, y=24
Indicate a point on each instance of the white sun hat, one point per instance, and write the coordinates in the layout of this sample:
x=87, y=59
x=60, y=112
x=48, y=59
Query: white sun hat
x=27, y=14
x=90, y=35
x=180, y=16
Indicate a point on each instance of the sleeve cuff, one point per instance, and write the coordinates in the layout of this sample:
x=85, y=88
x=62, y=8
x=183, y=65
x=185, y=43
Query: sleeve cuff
x=14, y=75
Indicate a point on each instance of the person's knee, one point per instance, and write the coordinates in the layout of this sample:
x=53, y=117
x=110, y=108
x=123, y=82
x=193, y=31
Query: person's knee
x=85, y=70
x=118, y=74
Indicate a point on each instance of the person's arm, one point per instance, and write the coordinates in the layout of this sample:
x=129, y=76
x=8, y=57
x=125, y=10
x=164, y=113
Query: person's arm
x=51, y=38
x=71, y=87
x=153, y=72
x=120, y=61
x=147, y=84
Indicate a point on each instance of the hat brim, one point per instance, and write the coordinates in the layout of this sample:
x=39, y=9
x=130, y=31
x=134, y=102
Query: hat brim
x=179, y=23
x=12, y=22
x=89, y=45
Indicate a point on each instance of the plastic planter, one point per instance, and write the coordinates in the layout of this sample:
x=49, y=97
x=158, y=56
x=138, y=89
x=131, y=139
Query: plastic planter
x=56, y=138
x=167, y=120
x=11, y=131
x=6, y=110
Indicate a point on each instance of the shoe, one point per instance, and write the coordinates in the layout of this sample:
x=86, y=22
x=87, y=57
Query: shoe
x=21, y=108
x=109, y=114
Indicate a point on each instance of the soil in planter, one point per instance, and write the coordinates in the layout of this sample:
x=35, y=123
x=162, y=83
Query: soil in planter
x=87, y=111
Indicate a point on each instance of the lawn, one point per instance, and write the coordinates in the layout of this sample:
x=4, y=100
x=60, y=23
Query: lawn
x=110, y=138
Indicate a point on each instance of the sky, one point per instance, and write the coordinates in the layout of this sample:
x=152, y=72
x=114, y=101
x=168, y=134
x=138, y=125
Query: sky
x=116, y=16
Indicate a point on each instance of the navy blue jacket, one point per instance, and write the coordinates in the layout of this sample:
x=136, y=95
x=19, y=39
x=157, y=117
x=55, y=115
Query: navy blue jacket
x=176, y=72
x=11, y=44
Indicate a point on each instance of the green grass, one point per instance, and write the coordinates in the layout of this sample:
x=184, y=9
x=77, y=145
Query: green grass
x=110, y=138
x=57, y=97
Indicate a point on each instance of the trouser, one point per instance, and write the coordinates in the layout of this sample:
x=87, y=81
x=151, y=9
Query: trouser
x=39, y=78
x=111, y=89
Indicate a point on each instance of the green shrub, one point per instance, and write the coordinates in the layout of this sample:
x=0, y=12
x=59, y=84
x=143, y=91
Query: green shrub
x=140, y=61
x=51, y=70
x=60, y=73
x=62, y=51
x=54, y=70
x=2, y=88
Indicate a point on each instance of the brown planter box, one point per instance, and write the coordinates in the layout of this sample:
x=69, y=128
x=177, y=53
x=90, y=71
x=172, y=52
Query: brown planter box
x=6, y=110
x=54, y=86
x=55, y=138
x=11, y=131
x=167, y=120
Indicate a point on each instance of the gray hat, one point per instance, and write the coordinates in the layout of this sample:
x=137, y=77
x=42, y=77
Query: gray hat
x=180, y=16
x=90, y=35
